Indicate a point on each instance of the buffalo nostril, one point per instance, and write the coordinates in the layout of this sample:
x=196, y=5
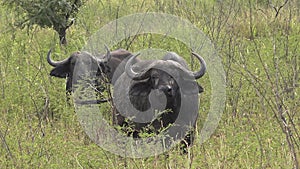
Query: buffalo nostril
x=166, y=90
x=169, y=90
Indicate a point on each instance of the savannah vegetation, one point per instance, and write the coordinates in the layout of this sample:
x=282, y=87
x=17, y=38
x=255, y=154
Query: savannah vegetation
x=258, y=42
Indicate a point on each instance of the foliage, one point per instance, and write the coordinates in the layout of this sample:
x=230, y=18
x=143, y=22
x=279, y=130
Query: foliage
x=260, y=50
x=56, y=14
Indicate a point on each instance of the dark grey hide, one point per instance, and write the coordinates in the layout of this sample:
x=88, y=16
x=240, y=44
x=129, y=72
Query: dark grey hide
x=102, y=68
x=165, y=85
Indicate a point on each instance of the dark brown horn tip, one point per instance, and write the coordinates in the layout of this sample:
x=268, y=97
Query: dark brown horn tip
x=106, y=47
x=202, y=70
x=55, y=63
x=49, y=59
x=108, y=56
x=128, y=68
x=50, y=51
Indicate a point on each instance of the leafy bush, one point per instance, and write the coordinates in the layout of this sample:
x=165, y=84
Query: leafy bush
x=56, y=14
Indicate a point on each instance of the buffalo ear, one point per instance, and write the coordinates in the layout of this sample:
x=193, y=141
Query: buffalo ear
x=60, y=71
x=200, y=88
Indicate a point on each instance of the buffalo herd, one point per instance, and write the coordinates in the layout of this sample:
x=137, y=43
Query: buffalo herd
x=151, y=94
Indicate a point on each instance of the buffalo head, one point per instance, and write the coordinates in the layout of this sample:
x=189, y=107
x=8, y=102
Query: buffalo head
x=75, y=67
x=166, y=85
x=163, y=76
x=105, y=68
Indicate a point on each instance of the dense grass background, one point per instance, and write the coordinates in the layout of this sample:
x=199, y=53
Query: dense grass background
x=259, y=48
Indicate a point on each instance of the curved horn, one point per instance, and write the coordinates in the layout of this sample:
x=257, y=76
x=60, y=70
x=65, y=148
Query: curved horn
x=108, y=56
x=130, y=72
x=105, y=58
x=202, y=71
x=55, y=63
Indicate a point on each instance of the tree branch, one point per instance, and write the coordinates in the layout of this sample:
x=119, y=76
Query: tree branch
x=277, y=10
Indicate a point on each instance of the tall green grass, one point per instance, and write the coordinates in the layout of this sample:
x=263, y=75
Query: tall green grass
x=260, y=54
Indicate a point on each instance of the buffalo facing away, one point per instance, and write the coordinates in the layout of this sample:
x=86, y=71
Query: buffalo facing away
x=153, y=95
